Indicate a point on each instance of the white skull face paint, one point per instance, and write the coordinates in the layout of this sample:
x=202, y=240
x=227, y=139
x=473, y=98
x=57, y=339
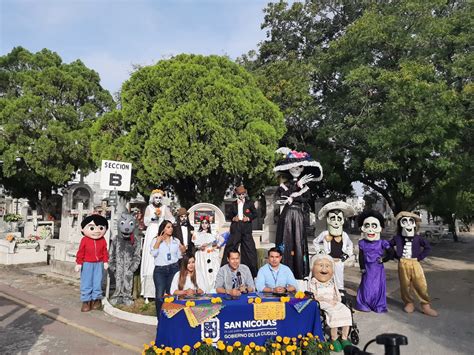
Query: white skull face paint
x=296, y=171
x=408, y=225
x=241, y=196
x=157, y=198
x=371, y=229
x=334, y=222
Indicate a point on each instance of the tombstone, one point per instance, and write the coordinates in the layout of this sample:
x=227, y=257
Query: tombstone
x=78, y=202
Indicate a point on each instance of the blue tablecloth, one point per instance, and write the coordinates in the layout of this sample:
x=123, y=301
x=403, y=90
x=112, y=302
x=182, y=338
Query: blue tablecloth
x=235, y=322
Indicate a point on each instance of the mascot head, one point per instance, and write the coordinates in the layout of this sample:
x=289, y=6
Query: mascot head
x=371, y=224
x=94, y=226
x=408, y=223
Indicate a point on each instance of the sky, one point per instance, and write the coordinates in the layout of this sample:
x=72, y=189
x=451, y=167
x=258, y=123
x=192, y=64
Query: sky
x=110, y=36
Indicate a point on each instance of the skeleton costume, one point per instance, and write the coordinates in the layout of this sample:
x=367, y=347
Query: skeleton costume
x=410, y=249
x=371, y=295
x=155, y=213
x=300, y=169
x=335, y=242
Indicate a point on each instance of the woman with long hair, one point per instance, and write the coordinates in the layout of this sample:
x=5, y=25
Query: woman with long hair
x=184, y=281
x=166, y=251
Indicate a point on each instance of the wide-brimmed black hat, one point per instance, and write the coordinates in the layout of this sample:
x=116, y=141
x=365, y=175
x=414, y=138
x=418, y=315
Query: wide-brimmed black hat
x=293, y=158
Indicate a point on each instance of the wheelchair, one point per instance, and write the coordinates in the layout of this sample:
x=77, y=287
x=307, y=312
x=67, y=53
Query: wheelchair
x=353, y=330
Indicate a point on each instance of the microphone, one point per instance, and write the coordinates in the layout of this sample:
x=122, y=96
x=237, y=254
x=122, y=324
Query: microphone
x=239, y=279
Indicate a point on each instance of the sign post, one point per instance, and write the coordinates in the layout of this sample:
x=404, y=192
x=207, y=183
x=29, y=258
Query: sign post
x=114, y=176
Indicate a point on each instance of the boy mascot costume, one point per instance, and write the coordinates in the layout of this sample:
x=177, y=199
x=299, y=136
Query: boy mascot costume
x=91, y=259
x=125, y=257
x=373, y=252
x=336, y=242
x=410, y=249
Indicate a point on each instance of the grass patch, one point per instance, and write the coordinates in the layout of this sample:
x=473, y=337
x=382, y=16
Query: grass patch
x=139, y=307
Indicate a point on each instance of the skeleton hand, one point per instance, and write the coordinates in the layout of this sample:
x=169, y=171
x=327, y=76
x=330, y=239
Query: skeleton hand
x=305, y=179
x=78, y=268
x=285, y=200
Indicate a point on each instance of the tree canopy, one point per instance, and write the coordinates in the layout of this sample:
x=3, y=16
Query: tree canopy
x=46, y=109
x=194, y=123
x=386, y=87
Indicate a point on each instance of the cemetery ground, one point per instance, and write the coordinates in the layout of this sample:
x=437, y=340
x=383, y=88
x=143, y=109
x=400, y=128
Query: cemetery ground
x=40, y=314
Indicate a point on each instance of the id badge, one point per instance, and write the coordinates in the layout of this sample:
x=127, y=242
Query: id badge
x=168, y=256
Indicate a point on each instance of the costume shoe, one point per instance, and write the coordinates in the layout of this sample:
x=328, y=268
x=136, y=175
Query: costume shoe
x=96, y=305
x=409, y=308
x=426, y=309
x=86, y=306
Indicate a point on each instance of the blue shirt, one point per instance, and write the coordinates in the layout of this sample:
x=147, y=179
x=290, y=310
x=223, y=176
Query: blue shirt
x=268, y=277
x=166, y=254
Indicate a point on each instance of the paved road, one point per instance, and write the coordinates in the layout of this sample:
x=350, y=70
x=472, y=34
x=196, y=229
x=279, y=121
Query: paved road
x=450, y=275
x=26, y=330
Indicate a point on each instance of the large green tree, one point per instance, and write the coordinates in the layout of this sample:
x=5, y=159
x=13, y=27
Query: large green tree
x=194, y=123
x=46, y=109
x=387, y=86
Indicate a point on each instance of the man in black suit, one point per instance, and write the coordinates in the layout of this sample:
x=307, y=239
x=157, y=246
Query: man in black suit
x=183, y=230
x=242, y=214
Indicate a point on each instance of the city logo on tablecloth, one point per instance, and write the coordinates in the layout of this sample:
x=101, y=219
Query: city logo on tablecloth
x=211, y=329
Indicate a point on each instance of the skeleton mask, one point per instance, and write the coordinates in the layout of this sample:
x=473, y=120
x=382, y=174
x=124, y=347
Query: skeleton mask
x=157, y=199
x=296, y=171
x=241, y=196
x=334, y=222
x=408, y=225
x=371, y=229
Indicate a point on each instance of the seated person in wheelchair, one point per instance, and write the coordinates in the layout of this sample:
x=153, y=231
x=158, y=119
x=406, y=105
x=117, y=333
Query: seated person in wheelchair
x=324, y=289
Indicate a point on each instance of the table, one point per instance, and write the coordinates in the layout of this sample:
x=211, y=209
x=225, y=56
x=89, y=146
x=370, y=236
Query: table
x=236, y=322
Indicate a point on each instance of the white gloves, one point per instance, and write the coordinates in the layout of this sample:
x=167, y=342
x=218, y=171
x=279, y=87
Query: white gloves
x=305, y=179
x=78, y=267
x=106, y=266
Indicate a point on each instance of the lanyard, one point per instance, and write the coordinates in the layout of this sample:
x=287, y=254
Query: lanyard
x=275, y=278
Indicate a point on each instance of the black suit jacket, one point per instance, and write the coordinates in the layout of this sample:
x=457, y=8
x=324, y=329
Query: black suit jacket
x=177, y=233
x=249, y=211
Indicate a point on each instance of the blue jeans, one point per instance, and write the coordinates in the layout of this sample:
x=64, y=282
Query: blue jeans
x=91, y=281
x=162, y=277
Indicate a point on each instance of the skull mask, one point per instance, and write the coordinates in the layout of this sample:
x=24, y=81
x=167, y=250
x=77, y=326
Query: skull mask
x=296, y=171
x=371, y=229
x=334, y=222
x=408, y=225
x=157, y=199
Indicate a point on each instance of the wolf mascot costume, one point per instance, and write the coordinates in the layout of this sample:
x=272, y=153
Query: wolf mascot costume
x=125, y=255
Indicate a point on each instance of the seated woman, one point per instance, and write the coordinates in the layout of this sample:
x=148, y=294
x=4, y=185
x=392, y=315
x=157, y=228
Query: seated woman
x=184, y=281
x=207, y=255
x=323, y=287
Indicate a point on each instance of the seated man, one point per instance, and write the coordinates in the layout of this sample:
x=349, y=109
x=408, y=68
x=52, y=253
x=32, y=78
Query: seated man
x=234, y=278
x=274, y=276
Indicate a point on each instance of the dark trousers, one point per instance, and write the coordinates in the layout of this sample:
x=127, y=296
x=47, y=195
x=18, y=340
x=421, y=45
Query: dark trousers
x=241, y=234
x=162, y=277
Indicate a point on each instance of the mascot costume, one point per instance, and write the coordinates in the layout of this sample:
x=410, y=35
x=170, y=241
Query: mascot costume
x=336, y=242
x=125, y=255
x=296, y=170
x=91, y=259
x=410, y=249
x=373, y=252
x=323, y=286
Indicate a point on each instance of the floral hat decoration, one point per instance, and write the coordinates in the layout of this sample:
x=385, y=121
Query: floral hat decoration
x=293, y=158
x=204, y=218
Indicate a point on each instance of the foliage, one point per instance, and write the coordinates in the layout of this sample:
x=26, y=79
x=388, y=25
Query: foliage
x=389, y=87
x=12, y=217
x=46, y=108
x=279, y=345
x=194, y=123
